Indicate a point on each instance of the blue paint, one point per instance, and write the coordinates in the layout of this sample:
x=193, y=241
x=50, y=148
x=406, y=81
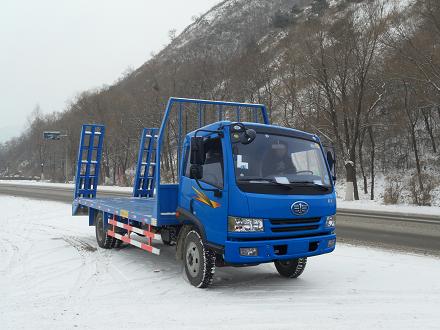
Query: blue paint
x=88, y=162
x=144, y=182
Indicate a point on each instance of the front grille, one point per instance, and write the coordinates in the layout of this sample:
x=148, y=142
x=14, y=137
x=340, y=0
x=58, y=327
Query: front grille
x=292, y=229
x=293, y=221
x=296, y=225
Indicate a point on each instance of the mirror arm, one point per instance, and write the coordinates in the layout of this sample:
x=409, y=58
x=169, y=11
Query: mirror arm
x=238, y=124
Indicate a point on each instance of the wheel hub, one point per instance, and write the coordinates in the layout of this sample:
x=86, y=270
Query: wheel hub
x=193, y=259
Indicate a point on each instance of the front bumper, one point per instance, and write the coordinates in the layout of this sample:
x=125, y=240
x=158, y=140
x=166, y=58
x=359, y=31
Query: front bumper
x=279, y=249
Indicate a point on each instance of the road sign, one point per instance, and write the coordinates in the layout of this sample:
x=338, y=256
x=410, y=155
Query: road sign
x=52, y=135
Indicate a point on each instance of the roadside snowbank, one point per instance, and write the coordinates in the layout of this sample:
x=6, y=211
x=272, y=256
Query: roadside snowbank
x=364, y=202
x=64, y=185
x=53, y=276
x=377, y=206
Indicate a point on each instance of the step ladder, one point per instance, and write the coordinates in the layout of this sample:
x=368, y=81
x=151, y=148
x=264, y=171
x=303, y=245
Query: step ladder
x=144, y=183
x=89, y=160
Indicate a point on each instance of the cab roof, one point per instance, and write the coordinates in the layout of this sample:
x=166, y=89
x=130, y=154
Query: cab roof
x=263, y=128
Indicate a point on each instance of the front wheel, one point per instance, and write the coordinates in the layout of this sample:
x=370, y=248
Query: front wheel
x=199, y=261
x=291, y=268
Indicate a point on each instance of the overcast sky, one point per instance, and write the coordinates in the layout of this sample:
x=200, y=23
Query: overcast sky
x=50, y=50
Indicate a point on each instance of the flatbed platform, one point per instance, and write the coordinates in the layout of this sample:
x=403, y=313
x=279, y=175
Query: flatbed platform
x=143, y=210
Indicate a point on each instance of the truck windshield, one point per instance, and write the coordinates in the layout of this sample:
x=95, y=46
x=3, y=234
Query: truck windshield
x=287, y=164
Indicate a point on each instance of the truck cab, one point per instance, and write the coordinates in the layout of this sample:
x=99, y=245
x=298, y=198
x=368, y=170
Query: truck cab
x=270, y=199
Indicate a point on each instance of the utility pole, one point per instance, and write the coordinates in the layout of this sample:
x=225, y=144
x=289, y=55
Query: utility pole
x=66, y=154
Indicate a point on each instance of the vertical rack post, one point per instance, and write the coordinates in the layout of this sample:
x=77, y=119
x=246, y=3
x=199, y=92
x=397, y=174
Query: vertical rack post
x=87, y=170
x=145, y=170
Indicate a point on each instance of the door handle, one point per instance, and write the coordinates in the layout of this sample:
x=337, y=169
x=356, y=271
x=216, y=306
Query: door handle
x=191, y=207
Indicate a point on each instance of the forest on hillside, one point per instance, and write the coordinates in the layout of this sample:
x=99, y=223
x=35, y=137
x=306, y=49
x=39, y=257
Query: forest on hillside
x=363, y=75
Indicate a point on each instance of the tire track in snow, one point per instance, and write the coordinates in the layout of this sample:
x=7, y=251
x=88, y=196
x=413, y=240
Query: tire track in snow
x=8, y=254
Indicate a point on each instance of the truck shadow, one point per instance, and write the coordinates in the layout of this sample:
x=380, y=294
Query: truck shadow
x=227, y=279
x=255, y=278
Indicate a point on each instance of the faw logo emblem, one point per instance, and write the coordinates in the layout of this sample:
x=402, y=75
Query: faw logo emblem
x=201, y=197
x=300, y=208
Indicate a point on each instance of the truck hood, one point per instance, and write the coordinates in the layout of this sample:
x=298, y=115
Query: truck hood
x=280, y=206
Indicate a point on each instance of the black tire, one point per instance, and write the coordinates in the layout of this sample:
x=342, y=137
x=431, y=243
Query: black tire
x=168, y=236
x=291, y=268
x=118, y=243
x=199, y=261
x=168, y=242
x=104, y=240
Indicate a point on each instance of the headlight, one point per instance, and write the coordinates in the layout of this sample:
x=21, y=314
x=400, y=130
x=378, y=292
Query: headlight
x=236, y=224
x=330, y=221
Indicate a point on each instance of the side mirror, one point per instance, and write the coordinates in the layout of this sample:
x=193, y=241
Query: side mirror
x=330, y=160
x=197, y=151
x=196, y=172
x=331, y=163
x=248, y=136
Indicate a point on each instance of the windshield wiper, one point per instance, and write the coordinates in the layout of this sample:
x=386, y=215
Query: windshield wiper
x=310, y=183
x=285, y=185
x=289, y=185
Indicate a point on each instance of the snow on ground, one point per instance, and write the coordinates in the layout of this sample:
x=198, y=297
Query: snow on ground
x=53, y=276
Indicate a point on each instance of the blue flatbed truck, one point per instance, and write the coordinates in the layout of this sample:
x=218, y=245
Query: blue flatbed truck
x=246, y=192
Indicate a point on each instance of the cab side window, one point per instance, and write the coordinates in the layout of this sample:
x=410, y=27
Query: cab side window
x=213, y=167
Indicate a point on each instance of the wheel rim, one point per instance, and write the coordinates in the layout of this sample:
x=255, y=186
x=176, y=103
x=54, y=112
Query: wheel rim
x=99, y=227
x=193, y=259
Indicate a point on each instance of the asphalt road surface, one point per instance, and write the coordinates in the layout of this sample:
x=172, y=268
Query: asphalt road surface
x=417, y=233
x=408, y=232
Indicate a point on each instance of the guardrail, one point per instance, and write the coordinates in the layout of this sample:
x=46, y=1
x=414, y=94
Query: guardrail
x=55, y=192
x=391, y=216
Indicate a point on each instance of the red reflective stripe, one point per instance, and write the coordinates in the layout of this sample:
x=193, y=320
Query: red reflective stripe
x=125, y=239
x=146, y=247
x=147, y=233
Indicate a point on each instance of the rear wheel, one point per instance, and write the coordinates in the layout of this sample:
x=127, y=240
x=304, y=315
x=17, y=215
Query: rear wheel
x=104, y=240
x=118, y=243
x=199, y=261
x=168, y=242
x=291, y=268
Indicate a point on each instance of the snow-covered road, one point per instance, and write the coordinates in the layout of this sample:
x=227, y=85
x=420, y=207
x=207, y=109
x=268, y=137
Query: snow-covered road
x=53, y=276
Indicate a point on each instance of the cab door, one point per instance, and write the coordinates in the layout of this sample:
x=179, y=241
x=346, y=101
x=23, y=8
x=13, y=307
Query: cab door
x=207, y=202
